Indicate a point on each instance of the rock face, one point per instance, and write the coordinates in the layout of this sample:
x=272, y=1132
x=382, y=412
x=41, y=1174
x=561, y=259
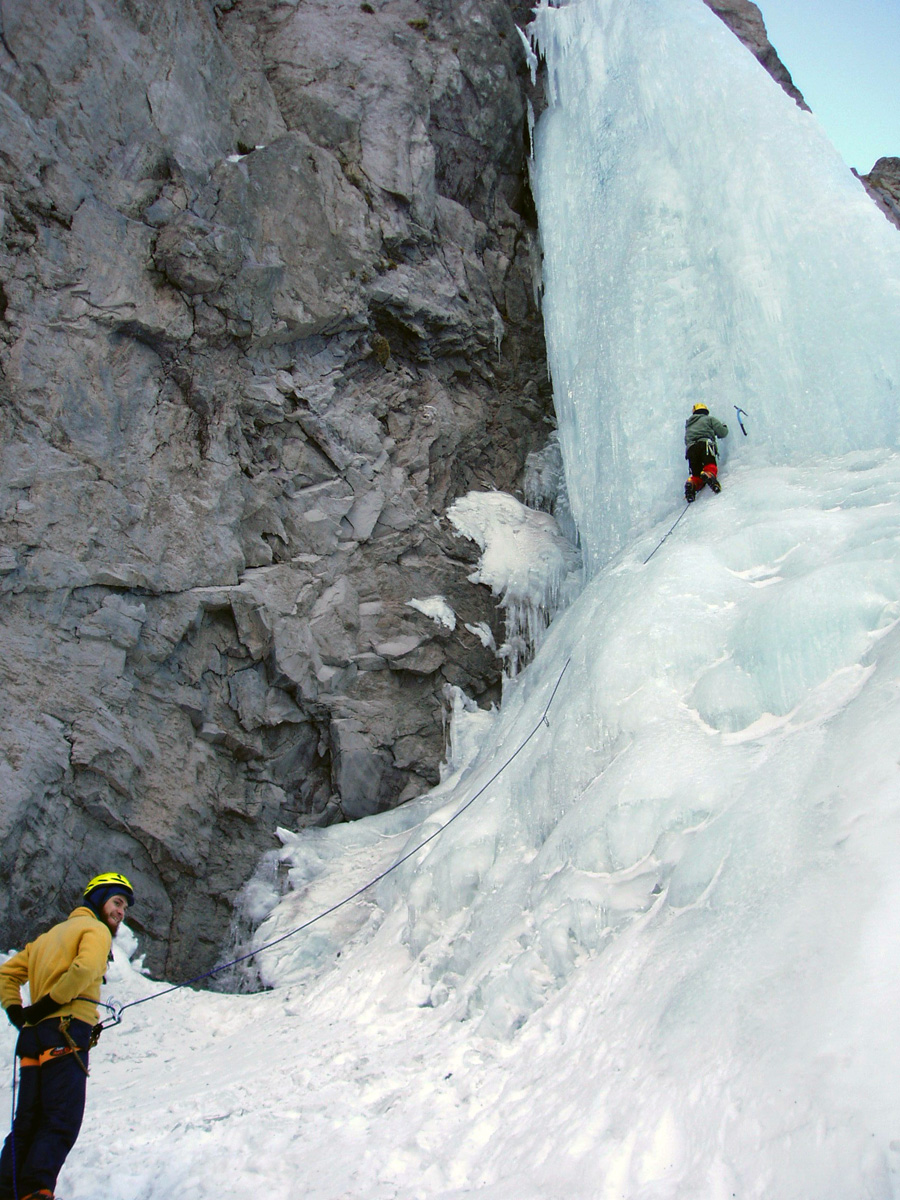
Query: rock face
x=883, y=185
x=745, y=20
x=267, y=307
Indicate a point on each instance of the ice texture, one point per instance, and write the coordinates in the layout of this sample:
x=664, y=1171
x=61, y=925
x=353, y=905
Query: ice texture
x=657, y=957
x=468, y=728
x=702, y=241
x=526, y=561
x=545, y=486
x=438, y=609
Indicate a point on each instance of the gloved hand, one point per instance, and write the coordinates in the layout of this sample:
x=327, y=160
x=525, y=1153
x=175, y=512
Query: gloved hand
x=45, y=1007
x=16, y=1015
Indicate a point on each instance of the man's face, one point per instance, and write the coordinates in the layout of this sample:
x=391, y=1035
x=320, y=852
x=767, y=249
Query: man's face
x=113, y=913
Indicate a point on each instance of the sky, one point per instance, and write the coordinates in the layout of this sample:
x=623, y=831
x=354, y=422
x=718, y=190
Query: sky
x=844, y=56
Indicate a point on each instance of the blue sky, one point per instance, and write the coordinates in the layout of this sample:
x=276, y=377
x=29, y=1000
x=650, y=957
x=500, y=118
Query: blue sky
x=844, y=56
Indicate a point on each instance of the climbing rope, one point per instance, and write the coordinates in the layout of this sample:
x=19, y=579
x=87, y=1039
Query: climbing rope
x=672, y=530
x=740, y=412
x=12, y=1129
x=118, y=1010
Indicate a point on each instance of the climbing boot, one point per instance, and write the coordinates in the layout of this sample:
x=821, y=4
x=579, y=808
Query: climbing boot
x=690, y=492
x=713, y=482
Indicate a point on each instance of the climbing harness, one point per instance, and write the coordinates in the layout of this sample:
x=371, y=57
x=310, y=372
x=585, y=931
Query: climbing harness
x=672, y=530
x=71, y=1047
x=741, y=412
x=48, y=1056
x=117, y=1010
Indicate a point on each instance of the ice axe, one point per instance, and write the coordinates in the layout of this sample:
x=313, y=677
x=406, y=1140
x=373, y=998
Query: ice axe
x=741, y=412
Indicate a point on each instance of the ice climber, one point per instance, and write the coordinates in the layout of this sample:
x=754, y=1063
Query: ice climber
x=701, y=450
x=63, y=969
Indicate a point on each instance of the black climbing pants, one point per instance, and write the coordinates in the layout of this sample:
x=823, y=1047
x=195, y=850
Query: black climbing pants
x=700, y=455
x=49, y=1109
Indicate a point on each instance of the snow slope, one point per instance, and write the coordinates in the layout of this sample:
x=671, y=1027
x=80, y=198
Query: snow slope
x=658, y=956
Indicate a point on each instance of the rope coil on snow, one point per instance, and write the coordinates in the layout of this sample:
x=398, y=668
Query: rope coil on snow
x=118, y=1010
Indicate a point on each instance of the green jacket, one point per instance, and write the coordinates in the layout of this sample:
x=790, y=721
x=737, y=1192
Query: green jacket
x=701, y=427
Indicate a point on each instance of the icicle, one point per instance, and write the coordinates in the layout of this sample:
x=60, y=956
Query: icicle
x=526, y=561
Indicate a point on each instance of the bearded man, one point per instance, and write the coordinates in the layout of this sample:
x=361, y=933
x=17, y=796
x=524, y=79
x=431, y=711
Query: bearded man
x=64, y=970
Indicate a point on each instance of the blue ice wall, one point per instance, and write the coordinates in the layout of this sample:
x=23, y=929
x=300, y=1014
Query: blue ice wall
x=702, y=241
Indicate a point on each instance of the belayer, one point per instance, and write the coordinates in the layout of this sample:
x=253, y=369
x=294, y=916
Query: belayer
x=64, y=970
x=701, y=451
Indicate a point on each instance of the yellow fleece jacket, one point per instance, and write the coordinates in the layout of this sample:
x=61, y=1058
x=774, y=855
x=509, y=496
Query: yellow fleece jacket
x=67, y=962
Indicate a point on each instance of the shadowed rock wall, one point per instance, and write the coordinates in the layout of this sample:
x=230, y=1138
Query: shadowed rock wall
x=267, y=308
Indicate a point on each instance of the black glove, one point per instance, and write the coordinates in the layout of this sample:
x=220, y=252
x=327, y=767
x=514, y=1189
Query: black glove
x=16, y=1015
x=45, y=1007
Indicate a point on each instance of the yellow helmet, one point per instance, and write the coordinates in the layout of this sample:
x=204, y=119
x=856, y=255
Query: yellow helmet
x=113, y=880
x=701, y=407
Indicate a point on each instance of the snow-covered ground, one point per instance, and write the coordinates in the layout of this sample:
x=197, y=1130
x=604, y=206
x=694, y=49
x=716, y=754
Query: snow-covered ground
x=658, y=956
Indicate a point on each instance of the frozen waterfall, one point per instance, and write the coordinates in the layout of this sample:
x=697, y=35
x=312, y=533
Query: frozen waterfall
x=703, y=241
x=658, y=958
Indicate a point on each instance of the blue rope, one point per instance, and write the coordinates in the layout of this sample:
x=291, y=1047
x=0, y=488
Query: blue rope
x=175, y=987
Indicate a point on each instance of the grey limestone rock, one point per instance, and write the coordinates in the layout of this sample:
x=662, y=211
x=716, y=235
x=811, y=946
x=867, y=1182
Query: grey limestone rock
x=745, y=20
x=267, y=306
x=883, y=185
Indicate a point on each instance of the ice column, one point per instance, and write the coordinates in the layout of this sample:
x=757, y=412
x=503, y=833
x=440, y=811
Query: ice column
x=526, y=561
x=703, y=241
